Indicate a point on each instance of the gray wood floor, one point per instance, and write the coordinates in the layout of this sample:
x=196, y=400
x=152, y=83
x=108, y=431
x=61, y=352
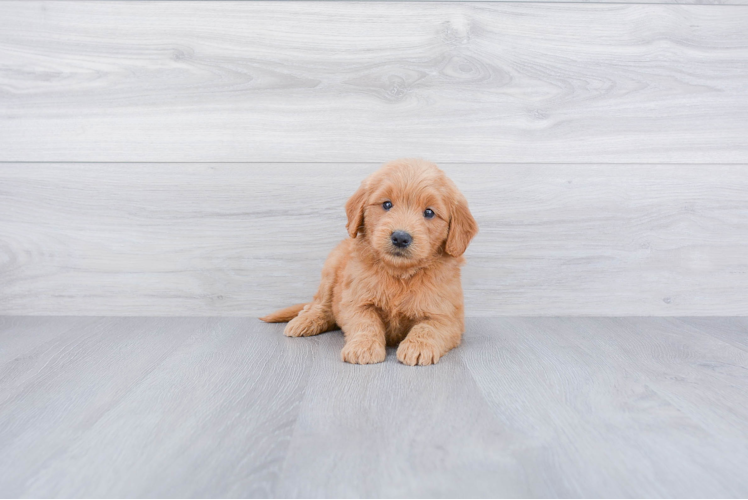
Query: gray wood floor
x=601, y=407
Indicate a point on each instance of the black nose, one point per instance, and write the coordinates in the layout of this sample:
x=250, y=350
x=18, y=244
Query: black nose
x=401, y=239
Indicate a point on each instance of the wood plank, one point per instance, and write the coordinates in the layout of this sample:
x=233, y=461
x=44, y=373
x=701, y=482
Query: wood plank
x=348, y=81
x=17, y=342
x=392, y=431
x=734, y=331
x=51, y=395
x=595, y=415
x=244, y=239
x=229, y=407
x=698, y=2
x=702, y=375
x=119, y=415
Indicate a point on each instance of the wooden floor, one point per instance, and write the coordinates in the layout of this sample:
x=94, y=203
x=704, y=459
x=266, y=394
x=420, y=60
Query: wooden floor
x=601, y=407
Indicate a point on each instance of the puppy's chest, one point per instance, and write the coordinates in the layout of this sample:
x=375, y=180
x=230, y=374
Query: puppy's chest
x=399, y=312
x=400, y=302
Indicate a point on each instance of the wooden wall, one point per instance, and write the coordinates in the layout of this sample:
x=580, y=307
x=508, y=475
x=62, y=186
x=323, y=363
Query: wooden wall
x=193, y=158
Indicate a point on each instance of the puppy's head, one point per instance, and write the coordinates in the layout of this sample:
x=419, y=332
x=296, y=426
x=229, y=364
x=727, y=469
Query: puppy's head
x=409, y=211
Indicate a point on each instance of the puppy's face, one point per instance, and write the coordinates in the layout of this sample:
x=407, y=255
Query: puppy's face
x=410, y=211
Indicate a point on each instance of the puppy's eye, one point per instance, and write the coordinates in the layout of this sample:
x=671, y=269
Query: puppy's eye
x=387, y=205
x=429, y=214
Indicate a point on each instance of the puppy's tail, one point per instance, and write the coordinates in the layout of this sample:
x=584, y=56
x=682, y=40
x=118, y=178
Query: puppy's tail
x=283, y=315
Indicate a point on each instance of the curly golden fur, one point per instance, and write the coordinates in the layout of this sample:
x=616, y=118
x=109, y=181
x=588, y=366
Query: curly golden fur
x=382, y=294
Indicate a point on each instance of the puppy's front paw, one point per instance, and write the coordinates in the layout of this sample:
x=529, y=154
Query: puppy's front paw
x=309, y=322
x=418, y=352
x=363, y=352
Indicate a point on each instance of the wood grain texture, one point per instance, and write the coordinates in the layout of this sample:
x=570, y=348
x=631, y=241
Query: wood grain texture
x=245, y=239
x=394, y=432
x=730, y=330
x=62, y=387
x=17, y=341
x=152, y=407
x=618, y=392
x=348, y=81
x=697, y=2
x=702, y=373
x=229, y=407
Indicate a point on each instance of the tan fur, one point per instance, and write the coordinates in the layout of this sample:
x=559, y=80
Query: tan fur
x=284, y=315
x=378, y=298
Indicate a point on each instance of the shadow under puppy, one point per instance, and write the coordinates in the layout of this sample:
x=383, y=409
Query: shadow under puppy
x=396, y=280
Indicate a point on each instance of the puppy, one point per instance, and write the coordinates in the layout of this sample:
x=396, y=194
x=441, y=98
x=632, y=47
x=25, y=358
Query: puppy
x=396, y=280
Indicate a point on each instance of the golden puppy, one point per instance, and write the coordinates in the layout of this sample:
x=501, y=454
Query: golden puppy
x=396, y=280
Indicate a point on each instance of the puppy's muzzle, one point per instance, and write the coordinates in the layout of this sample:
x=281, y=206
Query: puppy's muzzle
x=401, y=239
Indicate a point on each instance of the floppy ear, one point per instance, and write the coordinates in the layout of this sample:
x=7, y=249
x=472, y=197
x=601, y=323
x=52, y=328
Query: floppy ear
x=354, y=208
x=462, y=227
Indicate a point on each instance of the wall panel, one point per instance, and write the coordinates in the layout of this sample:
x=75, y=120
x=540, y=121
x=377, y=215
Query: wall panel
x=363, y=81
x=243, y=239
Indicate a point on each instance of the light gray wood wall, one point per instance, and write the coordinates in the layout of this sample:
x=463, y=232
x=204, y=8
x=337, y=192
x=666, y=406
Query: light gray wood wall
x=696, y=2
x=239, y=239
x=183, y=158
x=359, y=81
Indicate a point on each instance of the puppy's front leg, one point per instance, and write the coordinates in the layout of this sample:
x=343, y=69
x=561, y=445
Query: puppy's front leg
x=364, y=338
x=428, y=341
